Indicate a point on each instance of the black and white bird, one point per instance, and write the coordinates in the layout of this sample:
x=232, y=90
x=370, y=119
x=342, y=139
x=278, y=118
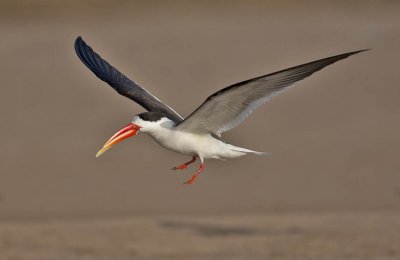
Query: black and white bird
x=199, y=134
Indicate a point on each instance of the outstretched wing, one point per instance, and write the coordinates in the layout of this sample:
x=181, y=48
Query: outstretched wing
x=118, y=81
x=230, y=106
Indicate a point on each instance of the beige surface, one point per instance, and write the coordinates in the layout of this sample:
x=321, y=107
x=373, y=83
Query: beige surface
x=272, y=236
x=334, y=138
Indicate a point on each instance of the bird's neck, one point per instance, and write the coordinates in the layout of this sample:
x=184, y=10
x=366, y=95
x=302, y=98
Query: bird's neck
x=160, y=130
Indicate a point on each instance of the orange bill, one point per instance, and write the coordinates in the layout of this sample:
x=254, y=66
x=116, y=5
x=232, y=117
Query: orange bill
x=126, y=132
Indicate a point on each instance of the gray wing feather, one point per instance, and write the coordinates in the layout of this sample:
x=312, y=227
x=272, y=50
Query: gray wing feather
x=122, y=84
x=230, y=106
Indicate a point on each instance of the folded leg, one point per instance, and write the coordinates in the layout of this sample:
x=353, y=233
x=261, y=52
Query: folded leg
x=185, y=165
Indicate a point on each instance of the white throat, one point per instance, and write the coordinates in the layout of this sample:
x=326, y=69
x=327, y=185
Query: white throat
x=160, y=130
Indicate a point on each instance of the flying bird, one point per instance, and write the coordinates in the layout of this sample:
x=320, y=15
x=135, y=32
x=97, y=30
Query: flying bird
x=199, y=134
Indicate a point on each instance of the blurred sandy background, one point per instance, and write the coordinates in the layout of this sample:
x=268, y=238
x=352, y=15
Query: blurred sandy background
x=330, y=189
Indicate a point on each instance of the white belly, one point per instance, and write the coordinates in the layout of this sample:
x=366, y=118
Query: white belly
x=204, y=146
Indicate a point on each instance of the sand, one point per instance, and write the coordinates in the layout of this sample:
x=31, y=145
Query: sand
x=270, y=236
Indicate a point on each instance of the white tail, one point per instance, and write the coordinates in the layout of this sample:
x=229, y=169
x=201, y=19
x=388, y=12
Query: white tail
x=244, y=150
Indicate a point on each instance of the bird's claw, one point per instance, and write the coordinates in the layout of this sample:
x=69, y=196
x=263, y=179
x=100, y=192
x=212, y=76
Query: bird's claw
x=190, y=181
x=180, y=167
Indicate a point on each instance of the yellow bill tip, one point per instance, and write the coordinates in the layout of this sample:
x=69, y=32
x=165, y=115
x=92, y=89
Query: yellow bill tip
x=102, y=150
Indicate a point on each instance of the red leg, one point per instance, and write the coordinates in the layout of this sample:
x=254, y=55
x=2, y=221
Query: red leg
x=184, y=166
x=191, y=180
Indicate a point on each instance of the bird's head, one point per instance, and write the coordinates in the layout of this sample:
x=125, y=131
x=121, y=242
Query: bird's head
x=146, y=122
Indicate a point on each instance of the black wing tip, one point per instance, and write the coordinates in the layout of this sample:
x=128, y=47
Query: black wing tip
x=101, y=68
x=79, y=45
x=84, y=53
x=364, y=50
x=342, y=56
x=355, y=52
x=79, y=41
